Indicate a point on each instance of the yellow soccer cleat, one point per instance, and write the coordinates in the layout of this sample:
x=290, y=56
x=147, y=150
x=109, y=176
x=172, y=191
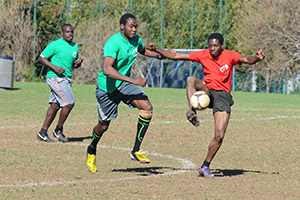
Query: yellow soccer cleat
x=91, y=162
x=139, y=156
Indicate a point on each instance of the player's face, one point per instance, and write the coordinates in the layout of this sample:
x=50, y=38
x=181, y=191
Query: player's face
x=129, y=29
x=68, y=33
x=214, y=47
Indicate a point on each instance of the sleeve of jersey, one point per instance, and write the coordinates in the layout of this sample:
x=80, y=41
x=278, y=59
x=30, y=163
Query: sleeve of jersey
x=235, y=57
x=49, y=51
x=77, y=52
x=141, y=44
x=196, y=56
x=110, y=49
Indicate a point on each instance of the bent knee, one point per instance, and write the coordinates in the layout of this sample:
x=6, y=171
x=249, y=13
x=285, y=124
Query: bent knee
x=219, y=138
x=147, y=107
x=190, y=80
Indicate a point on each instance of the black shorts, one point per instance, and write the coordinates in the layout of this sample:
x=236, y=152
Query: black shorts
x=220, y=100
x=108, y=103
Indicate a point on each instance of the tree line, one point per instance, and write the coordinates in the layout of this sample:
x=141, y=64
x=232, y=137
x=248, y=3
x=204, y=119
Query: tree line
x=247, y=26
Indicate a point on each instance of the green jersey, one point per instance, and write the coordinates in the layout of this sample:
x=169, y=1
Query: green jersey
x=61, y=54
x=124, y=52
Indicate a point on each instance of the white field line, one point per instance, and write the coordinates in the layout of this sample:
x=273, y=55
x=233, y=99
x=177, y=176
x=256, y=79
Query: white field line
x=279, y=117
x=161, y=122
x=187, y=165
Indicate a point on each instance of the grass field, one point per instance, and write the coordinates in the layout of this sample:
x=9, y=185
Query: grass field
x=259, y=158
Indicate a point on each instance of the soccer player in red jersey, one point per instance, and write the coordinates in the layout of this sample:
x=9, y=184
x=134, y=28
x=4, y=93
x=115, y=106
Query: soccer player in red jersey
x=217, y=64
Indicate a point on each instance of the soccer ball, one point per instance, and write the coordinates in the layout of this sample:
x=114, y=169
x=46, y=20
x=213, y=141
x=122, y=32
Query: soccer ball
x=200, y=100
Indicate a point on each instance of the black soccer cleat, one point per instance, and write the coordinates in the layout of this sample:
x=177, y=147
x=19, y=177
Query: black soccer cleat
x=44, y=137
x=192, y=117
x=60, y=136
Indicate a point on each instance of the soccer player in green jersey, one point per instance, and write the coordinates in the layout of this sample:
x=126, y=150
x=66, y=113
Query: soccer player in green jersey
x=60, y=56
x=115, y=85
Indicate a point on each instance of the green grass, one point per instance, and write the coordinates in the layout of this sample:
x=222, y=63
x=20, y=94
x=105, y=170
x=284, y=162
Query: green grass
x=259, y=158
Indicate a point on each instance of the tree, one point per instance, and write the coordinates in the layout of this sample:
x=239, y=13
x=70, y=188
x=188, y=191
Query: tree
x=16, y=36
x=275, y=27
x=94, y=26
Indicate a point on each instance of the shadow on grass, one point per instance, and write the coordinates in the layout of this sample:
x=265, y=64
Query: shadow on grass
x=147, y=171
x=9, y=89
x=236, y=172
x=79, y=139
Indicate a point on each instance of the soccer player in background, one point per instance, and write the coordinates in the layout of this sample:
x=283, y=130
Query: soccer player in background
x=217, y=64
x=60, y=56
x=114, y=85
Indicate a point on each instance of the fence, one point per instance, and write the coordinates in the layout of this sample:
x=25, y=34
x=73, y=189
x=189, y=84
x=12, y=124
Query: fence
x=164, y=22
x=166, y=25
x=173, y=74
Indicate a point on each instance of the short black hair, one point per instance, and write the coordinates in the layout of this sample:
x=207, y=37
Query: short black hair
x=125, y=17
x=216, y=36
x=62, y=28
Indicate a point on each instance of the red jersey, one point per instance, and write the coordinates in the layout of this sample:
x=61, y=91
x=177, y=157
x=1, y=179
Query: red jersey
x=217, y=71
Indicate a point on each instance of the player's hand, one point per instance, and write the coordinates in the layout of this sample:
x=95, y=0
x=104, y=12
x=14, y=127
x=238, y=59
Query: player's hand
x=172, y=51
x=260, y=54
x=140, y=81
x=151, y=47
x=59, y=70
x=169, y=50
x=78, y=62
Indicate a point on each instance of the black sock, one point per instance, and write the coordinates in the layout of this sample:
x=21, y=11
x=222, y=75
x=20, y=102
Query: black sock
x=58, y=128
x=90, y=150
x=93, y=145
x=142, y=127
x=193, y=109
x=43, y=131
x=205, y=163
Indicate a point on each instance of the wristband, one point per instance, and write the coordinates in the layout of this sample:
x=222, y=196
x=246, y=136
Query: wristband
x=158, y=56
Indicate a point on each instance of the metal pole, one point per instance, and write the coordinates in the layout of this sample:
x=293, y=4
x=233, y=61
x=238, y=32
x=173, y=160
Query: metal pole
x=68, y=11
x=161, y=23
x=192, y=33
x=192, y=25
x=224, y=28
x=34, y=40
x=100, y=19
x=131, y=6
x=220, y=19
x=0, y=15
x=161, y=40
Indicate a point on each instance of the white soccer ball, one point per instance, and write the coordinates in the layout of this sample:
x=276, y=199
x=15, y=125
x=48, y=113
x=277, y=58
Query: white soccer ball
x=200, y=100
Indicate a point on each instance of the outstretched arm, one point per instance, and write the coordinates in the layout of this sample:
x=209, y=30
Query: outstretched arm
x=260, y=55
x=149, y=53
x=173, y=55
x=168, y=54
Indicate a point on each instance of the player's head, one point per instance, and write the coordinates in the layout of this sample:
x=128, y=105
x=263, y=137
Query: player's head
x=67, y=32
x=216, y=36
x=215, y=44
x=128, y=26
